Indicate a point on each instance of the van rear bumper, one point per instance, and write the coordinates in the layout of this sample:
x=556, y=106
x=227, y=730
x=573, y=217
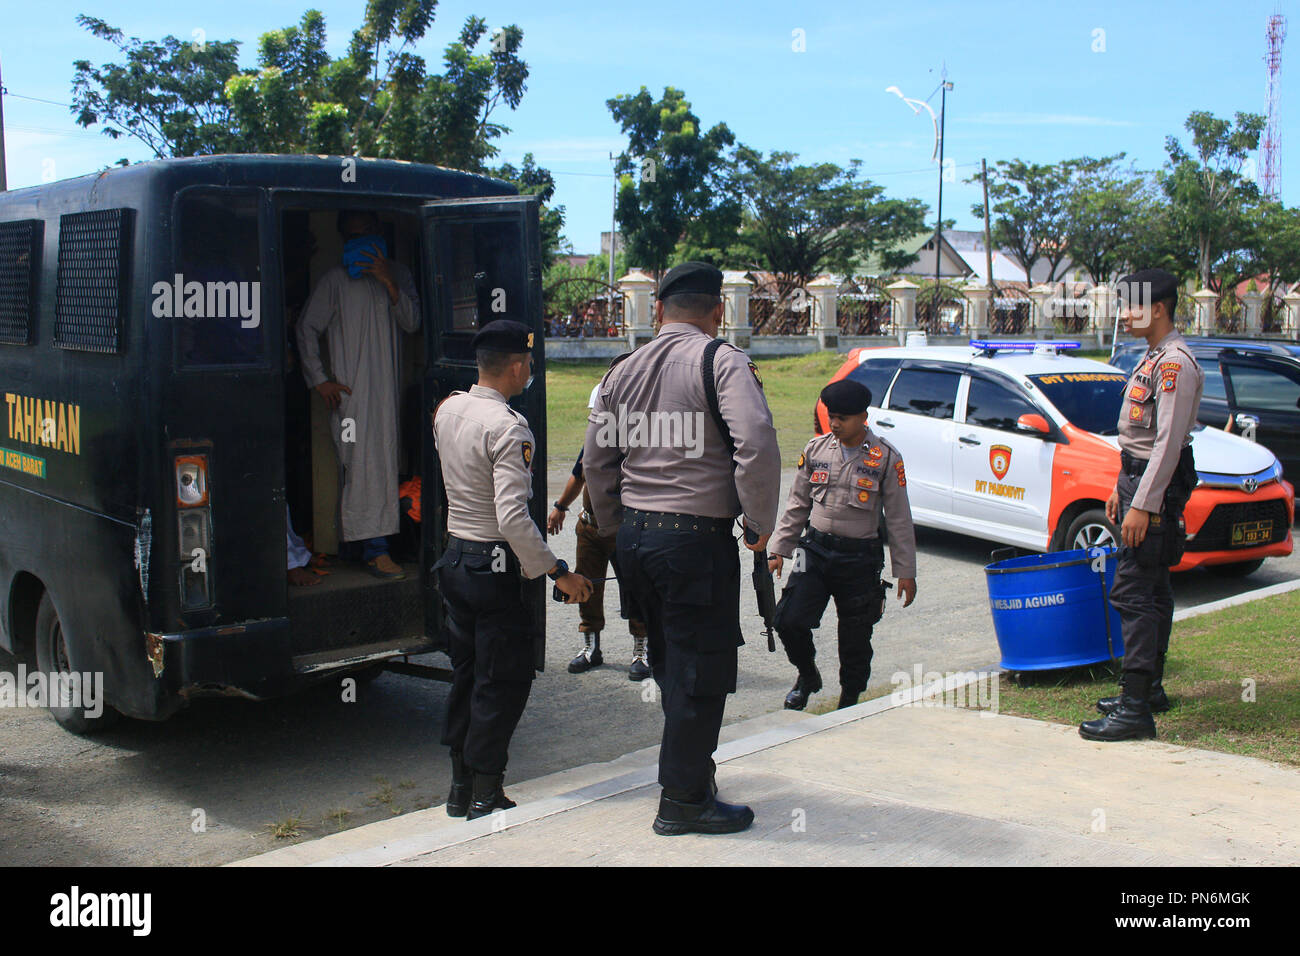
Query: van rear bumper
x=255, y=659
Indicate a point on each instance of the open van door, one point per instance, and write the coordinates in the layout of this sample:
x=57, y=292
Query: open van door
x=482, y=261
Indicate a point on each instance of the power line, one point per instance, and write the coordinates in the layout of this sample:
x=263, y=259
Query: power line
x=36, y=99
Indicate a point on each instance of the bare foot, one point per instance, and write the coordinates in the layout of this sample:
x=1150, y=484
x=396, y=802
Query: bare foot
x=302, y=578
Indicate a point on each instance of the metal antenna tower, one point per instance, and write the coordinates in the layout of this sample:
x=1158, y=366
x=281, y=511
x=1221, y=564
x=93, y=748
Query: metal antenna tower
x=1273, y=62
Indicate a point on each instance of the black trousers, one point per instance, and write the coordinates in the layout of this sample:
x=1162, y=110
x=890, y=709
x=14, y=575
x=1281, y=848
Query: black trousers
x=1142, y=594
x=685, y=586
x=490, y=642
x=852, y=579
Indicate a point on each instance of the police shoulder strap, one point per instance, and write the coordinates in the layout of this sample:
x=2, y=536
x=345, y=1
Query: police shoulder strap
x=711, y=396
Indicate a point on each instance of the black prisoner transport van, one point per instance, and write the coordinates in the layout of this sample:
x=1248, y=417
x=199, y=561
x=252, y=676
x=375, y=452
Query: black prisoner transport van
x=158, y=428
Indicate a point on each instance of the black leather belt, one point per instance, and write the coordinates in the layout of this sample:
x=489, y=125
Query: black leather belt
x=837, y=543
x=475, y=547
x=1133, y=467
x=655, y=520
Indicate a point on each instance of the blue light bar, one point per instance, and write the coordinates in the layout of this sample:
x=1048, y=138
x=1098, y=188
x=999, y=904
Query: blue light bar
x=1005, y=345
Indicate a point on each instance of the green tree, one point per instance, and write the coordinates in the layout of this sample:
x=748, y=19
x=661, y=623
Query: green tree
x=168, y=94
x=1029, y=211
x=1209, y=197
x=804, y=220
x=673, y=178
x=379, y=99
x=1103, y=204
x=1275, y=244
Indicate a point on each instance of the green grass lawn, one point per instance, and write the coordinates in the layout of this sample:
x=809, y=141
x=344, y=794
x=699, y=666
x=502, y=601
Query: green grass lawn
x=1210, y=659
x=792, y=385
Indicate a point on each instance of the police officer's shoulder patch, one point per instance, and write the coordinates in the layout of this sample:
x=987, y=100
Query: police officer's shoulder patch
x=527, y=449
x=902, y=475
x=802, y=459
x=753, y=369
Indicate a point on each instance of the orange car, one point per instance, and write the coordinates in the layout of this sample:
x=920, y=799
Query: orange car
x=1017, y=443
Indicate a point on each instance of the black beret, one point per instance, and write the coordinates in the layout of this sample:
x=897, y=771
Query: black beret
x=1147, y=286
x=504, y=335
x=846, y=397
x=697, y=277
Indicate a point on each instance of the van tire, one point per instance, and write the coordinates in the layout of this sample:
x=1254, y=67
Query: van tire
x=1237, y=569
x=52, y=656
x=1097, y=525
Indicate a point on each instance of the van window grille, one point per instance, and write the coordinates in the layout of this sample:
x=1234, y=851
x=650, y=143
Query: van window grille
x=92, y=279
x=19, y=247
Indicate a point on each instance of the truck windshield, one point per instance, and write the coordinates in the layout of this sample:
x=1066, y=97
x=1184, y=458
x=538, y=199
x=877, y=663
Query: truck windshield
x=1090, y=400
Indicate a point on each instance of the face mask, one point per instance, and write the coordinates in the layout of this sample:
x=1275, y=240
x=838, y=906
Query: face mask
x=355, y=257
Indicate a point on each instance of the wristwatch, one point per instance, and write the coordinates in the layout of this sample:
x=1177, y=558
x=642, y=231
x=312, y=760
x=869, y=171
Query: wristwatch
x=561, y=569
x=558, y=506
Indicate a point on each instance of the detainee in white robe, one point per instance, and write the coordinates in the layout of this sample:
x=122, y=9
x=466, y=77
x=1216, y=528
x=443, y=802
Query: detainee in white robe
x=360, y=325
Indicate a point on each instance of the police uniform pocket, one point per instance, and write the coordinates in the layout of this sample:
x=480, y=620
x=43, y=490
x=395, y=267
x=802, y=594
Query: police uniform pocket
x=479, y=563
x=710, y=673
x=689, y=578
x=1151, y=552
x=512, y=656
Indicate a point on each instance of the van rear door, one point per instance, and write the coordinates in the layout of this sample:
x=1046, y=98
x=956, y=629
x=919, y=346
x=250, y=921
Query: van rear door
x=482, y=261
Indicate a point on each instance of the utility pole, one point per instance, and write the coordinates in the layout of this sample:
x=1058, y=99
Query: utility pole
x=4, y=182
x=613, y=232
x=938, y=231
x=988, y=235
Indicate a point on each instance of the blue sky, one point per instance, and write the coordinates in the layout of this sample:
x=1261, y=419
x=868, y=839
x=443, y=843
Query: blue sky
x=1028, y=81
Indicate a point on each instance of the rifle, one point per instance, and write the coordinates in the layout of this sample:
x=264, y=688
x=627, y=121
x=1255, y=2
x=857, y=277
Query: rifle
x=764, y=589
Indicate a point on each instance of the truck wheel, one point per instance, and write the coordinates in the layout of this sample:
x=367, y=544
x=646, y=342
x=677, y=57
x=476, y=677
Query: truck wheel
x=1092, y=529
x=1238, y=569
x=53, y=656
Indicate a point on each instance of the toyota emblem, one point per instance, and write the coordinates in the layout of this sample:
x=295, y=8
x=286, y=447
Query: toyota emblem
x=1250, y=484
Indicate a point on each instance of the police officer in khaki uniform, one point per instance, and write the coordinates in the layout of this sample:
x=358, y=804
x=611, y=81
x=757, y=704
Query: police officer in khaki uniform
x=660, y=470
x=1157, y=475
x=485, y=449
x=845, y=479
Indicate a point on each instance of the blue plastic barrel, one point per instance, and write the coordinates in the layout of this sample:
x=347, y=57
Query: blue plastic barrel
x=1051, y=610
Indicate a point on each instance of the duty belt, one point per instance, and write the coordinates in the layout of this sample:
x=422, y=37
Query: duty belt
x=837, y=543
x=475, y=547
x=655, y=520
x=1133, y=467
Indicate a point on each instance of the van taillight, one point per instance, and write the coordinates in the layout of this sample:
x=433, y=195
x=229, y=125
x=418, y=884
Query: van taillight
x=195, y=530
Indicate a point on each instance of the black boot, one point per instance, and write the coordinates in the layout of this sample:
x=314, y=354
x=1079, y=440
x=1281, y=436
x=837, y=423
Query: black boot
x=1158, y=701
x=809, y=683
x=640, y=668
x=462, y=784
x=589, y=656
x=488, y=795
x=706, y=815
x=848, y=698
x=1131, y=720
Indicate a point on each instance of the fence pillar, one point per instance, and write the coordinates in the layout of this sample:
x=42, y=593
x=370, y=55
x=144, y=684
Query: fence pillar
x=1101, y=312
x=735, y=315
x=1252, y=320
x=638, y=313
x=904, y=309
x=824, y=323
x=1041, y=319
x=1291, y=312
x=977, y=318
x=1206, y=305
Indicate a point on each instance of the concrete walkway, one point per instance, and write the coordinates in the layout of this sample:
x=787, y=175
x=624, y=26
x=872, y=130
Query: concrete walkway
x=876, y=784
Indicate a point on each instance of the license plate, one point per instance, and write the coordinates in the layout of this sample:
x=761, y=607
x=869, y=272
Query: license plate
x=1246, y=533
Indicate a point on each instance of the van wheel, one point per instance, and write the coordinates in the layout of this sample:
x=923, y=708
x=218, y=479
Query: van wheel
x=1238, y=569
x=53, y=657
x=1092, y=529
